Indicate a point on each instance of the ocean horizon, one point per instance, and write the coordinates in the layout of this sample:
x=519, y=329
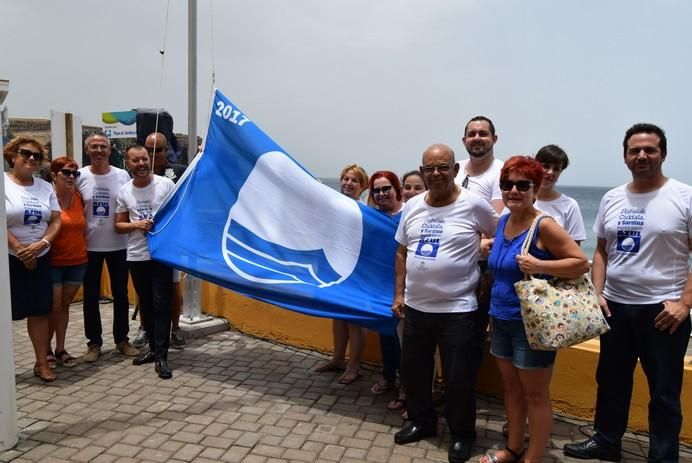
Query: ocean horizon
x=587, y=197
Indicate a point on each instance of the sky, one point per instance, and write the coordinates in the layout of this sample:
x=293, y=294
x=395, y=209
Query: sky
x=373, y=82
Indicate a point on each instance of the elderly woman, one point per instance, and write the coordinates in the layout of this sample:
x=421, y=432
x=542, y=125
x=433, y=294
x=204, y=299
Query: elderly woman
x=33, y=221
x=68, y=256
x=386, y=196
x=412, y=185
x=353, y=181
x=525, y=372
x=560, y=207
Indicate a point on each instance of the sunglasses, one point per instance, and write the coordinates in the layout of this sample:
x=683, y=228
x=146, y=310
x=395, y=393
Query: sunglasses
x=522, y=185
x=383, y=190
x=26, y=154
x=70, y=173
x=98, y=147
x=159, y=149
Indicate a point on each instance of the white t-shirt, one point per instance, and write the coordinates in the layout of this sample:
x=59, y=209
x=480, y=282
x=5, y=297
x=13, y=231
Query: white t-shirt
x=28, y=210
x=566, y=212
x=442, y=259
x=647, y=236
x=142, y=203
x=485, y=185
x=99, y=193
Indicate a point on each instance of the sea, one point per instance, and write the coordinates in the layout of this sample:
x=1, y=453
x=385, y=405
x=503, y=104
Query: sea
x=588, y=198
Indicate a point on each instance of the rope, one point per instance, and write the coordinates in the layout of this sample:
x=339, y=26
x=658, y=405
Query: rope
x=212, y=88
x=162, y=51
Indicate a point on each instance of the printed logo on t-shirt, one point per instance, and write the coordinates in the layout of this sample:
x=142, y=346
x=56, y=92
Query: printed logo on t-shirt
x=429, y=242
x=101, y=204
x=144, y=210
x=629, y=229
x=32, y=211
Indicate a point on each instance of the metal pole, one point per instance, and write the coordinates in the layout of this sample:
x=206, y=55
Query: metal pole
x=192, y=286
x=191, y=80
x=8, y=392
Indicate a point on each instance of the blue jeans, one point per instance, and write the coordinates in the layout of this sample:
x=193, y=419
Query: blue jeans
x=456, y=334
x=117, y=270
x=633, y=335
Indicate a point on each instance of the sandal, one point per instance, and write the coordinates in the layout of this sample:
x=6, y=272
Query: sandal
x=399, y=403
x=43, y=371
x=516, y=457
x=349, y=377
x=66, y=359
x=50, y=358
x=329, y=366
x=381, y=386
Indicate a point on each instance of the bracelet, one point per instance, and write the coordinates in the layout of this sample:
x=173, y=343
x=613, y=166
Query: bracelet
x=46, y=241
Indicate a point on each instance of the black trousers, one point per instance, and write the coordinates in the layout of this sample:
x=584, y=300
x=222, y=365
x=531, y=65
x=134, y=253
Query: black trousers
x=456, y=334
x=153, y=282
x=116, y=261
x=633, y=336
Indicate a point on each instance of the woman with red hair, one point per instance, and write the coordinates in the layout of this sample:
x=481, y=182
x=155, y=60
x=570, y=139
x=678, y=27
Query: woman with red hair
x=68, y=253
x=385, y=196
x=525, y=372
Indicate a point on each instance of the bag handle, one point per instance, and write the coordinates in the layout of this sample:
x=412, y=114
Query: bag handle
x=529, y=237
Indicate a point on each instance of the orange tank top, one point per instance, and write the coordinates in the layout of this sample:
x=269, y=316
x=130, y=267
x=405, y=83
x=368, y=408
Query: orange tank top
x=70, y=247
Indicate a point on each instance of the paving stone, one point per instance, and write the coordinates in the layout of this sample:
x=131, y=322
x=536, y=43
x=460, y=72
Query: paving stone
x=233, y=398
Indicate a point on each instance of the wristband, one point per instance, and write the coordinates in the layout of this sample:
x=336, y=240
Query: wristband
x=46, y=241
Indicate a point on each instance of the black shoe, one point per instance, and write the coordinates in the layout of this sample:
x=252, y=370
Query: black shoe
x=590, y=449
x=161, y=367
x=149, y=357
x=459, y=451
x=413, y=433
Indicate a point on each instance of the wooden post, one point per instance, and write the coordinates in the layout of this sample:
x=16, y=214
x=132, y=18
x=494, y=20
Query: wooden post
x=69, y=142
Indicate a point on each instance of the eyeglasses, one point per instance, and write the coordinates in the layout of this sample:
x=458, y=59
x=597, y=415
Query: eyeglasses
x=159, y=149
x=441, y=168
x=101, y=147
x=522, y=185
x=26, y=154
x=383, y=190
x=70, y=173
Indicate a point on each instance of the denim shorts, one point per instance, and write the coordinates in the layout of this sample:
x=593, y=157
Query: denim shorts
x=509, y=342
x=68, y=275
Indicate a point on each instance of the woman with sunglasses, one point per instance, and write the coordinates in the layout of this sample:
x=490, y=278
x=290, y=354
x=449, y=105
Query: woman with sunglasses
x=353, y=181
x=525, y=372
x=68, y=256
x=33, y=221
x=386, y=196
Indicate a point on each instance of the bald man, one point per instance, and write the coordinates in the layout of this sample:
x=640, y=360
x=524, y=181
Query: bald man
x=436, y=278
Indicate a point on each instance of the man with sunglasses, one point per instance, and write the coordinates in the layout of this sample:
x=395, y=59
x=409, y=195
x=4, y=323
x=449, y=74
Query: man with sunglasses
x=436, y=277
x=641, y=273
x=99, y=185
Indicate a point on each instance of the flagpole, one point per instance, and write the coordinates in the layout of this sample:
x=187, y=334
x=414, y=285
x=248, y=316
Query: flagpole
x=8, y=392
x=192, y=287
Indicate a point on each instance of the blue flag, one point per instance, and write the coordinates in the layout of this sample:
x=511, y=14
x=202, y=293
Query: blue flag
x=248, y=217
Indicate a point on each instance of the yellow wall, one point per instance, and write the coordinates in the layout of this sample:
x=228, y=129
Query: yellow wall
x=573, y=388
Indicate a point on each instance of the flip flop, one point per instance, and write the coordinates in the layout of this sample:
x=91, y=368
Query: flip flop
x=348, y=377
